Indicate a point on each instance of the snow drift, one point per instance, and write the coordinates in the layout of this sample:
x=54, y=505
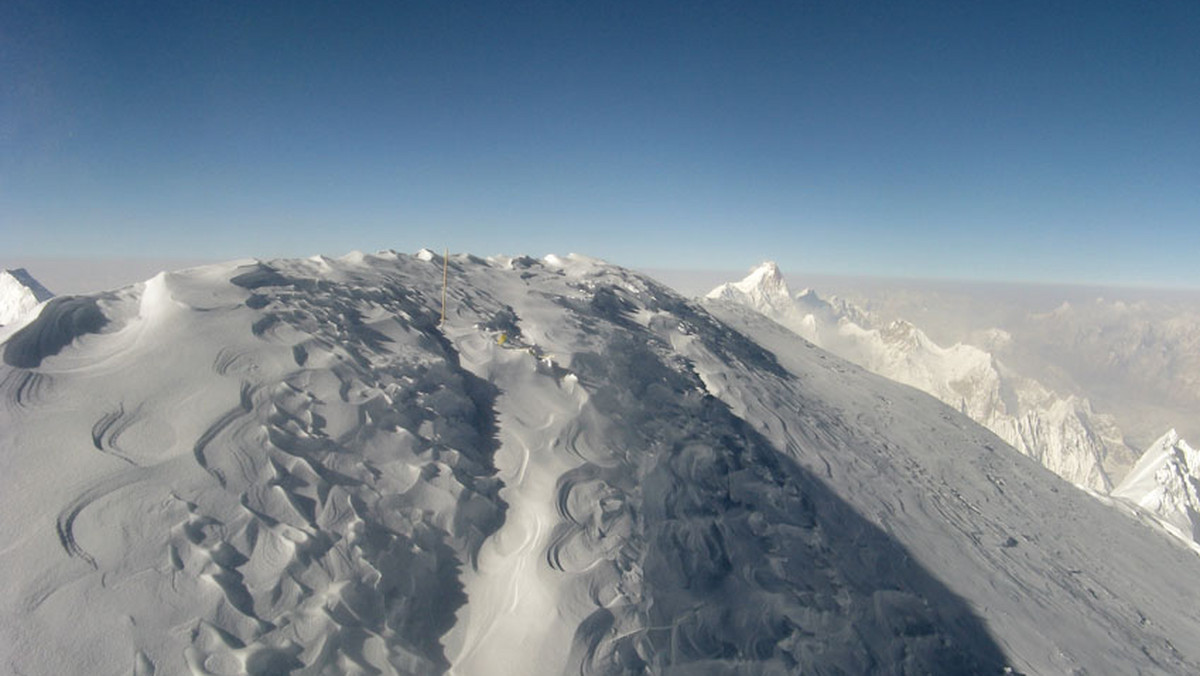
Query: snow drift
x=294, y=467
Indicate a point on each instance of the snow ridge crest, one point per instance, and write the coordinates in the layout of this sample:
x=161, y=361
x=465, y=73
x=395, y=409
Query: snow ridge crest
x=20, y=293
x=1166, y=482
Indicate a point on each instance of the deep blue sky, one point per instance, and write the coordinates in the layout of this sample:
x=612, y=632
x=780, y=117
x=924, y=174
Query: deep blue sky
x=1043, y=140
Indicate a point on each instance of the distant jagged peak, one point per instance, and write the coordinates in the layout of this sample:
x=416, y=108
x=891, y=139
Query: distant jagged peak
x=1169, y=445
x=764, y=282
x=1174, y=447
x=904, y=332
x=828, y=309
x=993, y=339
x=1166, y=482
x=1170, y=452
x=1170, y=439
x=765, y=278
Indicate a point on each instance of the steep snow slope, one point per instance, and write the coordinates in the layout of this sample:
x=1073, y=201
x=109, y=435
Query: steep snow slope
x=291, y=467
x=1166, y=481
x=19, y=294
x=1063, y=433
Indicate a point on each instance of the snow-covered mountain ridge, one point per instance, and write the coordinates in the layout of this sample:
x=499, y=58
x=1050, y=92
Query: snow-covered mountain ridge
x=1064, y=433
x=20, y=293
x=294, y=467
x=1166, y=482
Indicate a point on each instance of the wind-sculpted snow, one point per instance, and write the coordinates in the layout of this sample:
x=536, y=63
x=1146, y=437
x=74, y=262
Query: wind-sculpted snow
x=295, y=467
x=325, y=515
x=62, y=320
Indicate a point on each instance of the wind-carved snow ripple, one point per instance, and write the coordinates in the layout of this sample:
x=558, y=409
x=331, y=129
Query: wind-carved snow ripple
x=362, y=481
x=23, y=388
x=706, y=550
x=107, y=431
x=63, y=320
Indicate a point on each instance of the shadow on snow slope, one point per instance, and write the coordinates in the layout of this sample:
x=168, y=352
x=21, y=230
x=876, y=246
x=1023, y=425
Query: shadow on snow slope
x=62, y=321
x=730, y=557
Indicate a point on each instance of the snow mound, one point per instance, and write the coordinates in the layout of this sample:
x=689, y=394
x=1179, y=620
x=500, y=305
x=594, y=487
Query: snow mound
x=295, y=467
x=62, y=321
x=20, y=293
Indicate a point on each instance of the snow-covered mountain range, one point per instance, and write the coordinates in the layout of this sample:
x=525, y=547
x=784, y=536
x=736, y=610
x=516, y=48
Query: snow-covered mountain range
x=20, y=293
x=1137, y=358
x=1133, y=352
x=1062, y=432
x=296, y=467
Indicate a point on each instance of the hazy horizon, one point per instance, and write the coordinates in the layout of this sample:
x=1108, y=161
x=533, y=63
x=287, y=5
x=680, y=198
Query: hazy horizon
x=77, y=275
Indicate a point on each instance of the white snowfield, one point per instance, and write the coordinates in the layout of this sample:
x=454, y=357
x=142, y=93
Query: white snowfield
x=293, y=468
x=20, y=293
x=1063, y=433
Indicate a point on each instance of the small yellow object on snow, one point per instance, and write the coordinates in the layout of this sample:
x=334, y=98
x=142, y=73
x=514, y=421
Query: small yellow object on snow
x=502, y=339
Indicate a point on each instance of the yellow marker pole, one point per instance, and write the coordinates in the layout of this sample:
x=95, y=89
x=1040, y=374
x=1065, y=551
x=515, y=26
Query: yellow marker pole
x=445, y=273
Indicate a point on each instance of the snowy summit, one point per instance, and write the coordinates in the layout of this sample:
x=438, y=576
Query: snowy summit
x=1166, y=482
x=296, y=467
x=763, y=288
x=20, y=293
